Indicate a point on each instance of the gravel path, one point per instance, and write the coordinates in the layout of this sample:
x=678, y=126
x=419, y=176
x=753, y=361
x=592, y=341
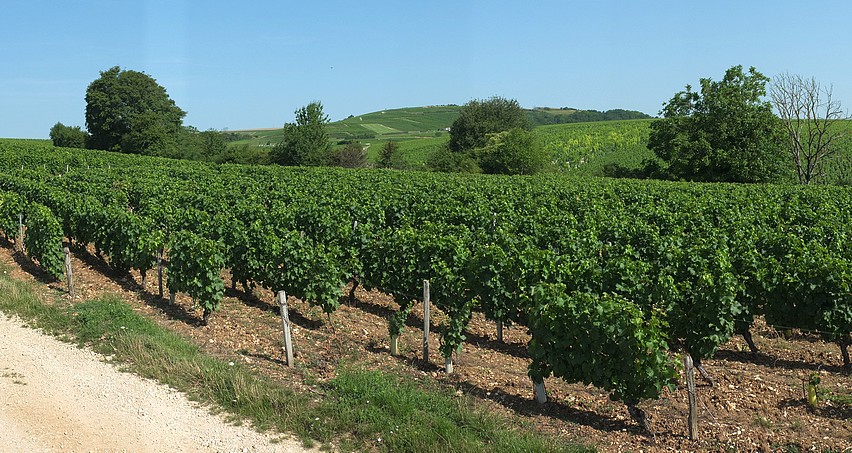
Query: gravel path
x=57, y=397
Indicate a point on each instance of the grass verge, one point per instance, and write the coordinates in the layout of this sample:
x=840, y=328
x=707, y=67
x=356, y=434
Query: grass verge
x=360, y=409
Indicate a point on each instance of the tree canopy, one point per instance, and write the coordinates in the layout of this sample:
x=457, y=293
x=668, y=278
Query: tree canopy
x=129, y=111
x=491, y=136
x=725, y=132
x=67, y=136
x=306, y=141
x=512, y=152
x=478, y=118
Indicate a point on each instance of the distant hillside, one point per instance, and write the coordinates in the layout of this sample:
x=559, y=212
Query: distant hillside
x=393, y=124
x=429, y=122
x=418, y=131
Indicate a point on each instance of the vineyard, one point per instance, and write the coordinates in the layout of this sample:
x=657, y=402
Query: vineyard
x=613, y=279
x=586, y=148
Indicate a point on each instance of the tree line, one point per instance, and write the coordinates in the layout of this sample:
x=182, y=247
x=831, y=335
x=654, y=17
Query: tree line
x=725, y=131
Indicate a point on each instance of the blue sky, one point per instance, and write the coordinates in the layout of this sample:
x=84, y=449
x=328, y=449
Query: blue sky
x=240, y=65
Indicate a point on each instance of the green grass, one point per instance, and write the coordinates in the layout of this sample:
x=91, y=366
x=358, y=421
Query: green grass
x=361, y=409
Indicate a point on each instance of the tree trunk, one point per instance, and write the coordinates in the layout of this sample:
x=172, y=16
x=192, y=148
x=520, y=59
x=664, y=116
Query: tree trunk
x=639, y=416
x=355, y=283
x=748, y=338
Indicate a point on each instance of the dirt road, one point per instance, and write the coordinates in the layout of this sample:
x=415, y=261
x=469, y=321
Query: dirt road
x=56, y=397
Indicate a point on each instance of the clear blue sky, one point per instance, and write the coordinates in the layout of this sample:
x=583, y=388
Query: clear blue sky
x=249, y=64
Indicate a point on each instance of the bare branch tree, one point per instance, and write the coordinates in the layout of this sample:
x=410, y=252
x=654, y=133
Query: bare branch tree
x=809, y=114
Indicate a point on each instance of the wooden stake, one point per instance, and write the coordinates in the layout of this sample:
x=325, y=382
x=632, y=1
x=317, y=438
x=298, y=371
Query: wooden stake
x=285, y=322
x=21, y=232
x=540, y=392
x=426, y=320
x=690, y=388
x=69, y=275
x=160, y=271
x=499, y=331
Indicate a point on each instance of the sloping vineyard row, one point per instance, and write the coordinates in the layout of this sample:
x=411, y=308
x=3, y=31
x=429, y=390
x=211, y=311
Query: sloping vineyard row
x=609, y=276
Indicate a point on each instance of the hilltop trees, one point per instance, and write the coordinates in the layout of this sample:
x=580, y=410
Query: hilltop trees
x=306, y=141
x=725, y=132
x=128, y=111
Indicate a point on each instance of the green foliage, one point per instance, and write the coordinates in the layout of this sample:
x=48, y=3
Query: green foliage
x=210, y=145
x=67, y=136
x=390, y=156
x=478, y=118
x=604, y=340
x=131, y=241
x=11, y=206
x=306, y=141
x=243, y=154
x=725, y=132
x=597, y=149
x=814, y=289
x=352, y=155
x=43, y=239
x=128, y=111
x=195, y=267
x=445, y=160
x=512, y=152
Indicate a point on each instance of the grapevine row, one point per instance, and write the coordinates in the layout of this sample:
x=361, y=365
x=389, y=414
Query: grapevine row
x=649, y=267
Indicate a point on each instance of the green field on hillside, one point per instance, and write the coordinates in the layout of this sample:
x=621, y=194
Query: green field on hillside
x=582, y=148
x=586, y=148
x=398, y=124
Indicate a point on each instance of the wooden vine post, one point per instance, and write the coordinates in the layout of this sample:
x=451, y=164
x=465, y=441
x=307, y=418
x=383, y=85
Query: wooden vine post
x=426, y=321
x=499, y=331
x=160, y=271
x=69, y=275
x=285, y=322
x=21, y=232
x=690, y=388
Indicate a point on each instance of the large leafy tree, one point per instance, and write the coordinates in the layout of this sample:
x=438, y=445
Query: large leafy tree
x=478, y=118
x=306, y=141
x=480, y=141
x=129, y=111
x=724, y=132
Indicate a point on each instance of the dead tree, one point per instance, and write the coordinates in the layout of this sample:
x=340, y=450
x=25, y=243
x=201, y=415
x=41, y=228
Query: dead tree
x=808, y=113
